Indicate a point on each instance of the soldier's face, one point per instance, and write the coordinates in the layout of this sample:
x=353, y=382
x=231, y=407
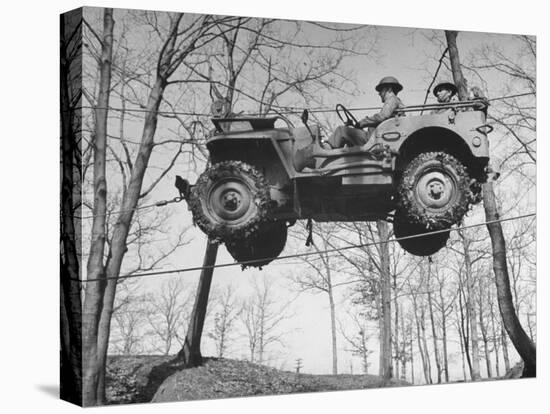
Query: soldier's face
x=384, y=93
x=444, y=95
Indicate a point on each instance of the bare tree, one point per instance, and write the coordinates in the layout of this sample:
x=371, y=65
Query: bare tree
x=167, y=310
x=178, y=42
x=71, y=236
x=483, y=325
x=226, y=314
x=385, y=291
x=515, y=116
x=420, y=317
x=261, y=316
x=129, y=317
x=93, y=336
x=525, y=347
x=376, y=267
x=470, y=306
x=435, y=338
x=404, y=348
x=463, y=352
x=320, y=279
x=445, y=308
x=358, y=340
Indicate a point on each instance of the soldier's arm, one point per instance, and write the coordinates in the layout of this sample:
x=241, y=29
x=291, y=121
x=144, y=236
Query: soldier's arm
x=385, y=113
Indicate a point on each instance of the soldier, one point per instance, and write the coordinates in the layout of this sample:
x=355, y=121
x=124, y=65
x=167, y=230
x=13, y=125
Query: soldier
x=476, y=94
x=387, y=88
x=444, y=92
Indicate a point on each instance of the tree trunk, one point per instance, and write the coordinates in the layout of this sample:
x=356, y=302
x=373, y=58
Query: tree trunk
x=484, y=335
x=332, y=323
x=504, y=340
x=530, y=327
x=432, y=322
x=462, y=352
x=396, y=345
x=385, y=290
x=495, y=336
x=261, y=342
x=444, y=334
x=421, y=351
x=71, y=235
x=93, y=363
x=471, y=310
x=428, y=366
x=190, y=354
x=403, y=348
x=412, y=358
x=523, y=344
x=364, y=354
x=422, y=346
x=456, y=69
x=122, y=227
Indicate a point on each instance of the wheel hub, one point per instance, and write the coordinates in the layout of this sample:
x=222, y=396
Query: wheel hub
x=435, y=190
x=230, y=200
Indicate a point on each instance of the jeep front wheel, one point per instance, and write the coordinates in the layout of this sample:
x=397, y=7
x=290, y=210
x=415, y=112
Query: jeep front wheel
x=230, y=200
x=434, y=191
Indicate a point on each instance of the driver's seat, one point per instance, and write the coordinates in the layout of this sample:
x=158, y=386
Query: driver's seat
x=307, y=146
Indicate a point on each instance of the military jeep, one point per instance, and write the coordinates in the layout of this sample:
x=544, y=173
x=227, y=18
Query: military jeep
x=421, y=171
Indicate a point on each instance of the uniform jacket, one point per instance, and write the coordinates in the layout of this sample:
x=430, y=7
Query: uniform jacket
x=392, y=104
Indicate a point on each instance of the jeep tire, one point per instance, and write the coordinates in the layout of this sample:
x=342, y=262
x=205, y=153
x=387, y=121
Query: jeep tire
x=262, y=247
x=434, y=191
x=229, y=201
x=424, y=244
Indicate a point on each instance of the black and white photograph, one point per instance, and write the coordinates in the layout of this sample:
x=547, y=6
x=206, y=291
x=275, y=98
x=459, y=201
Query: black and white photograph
x=258, y=206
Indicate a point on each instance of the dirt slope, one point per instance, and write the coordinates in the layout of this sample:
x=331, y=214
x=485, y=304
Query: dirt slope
x=128, y=380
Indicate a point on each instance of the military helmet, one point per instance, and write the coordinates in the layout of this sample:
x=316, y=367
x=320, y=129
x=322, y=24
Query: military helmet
x=446, y=85
x=389, y=81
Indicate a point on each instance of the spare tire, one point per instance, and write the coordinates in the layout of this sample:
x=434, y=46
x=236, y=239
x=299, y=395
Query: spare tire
x=434, y=191
x=230, y=200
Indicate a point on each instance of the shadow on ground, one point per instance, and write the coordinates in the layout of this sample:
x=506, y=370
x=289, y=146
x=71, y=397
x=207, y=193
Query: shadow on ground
x=49, y=389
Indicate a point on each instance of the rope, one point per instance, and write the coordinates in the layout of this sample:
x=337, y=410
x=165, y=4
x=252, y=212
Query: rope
x=178, y=199
x=291, y=256
x=295, y=110
x=517, y=95
x=160, y=203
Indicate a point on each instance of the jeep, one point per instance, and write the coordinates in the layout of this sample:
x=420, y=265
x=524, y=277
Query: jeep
x=420, y=171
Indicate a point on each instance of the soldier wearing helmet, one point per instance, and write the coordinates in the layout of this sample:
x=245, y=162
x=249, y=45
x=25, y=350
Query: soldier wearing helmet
x=444, y=92
x=387, y=88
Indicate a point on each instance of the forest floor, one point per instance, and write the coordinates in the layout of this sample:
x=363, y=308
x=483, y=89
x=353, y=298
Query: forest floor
x=132, y=379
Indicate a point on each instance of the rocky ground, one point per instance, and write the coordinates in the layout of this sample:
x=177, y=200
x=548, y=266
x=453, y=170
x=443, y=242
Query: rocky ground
x=154, y=378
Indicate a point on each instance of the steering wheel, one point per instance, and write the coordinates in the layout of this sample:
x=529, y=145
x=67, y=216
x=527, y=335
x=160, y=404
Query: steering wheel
x=350, y=119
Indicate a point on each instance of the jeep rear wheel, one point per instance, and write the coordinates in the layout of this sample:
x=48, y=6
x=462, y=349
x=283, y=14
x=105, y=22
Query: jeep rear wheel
x=262, y=247
x=230, y=200
x=423, y=245
x=434, y=191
